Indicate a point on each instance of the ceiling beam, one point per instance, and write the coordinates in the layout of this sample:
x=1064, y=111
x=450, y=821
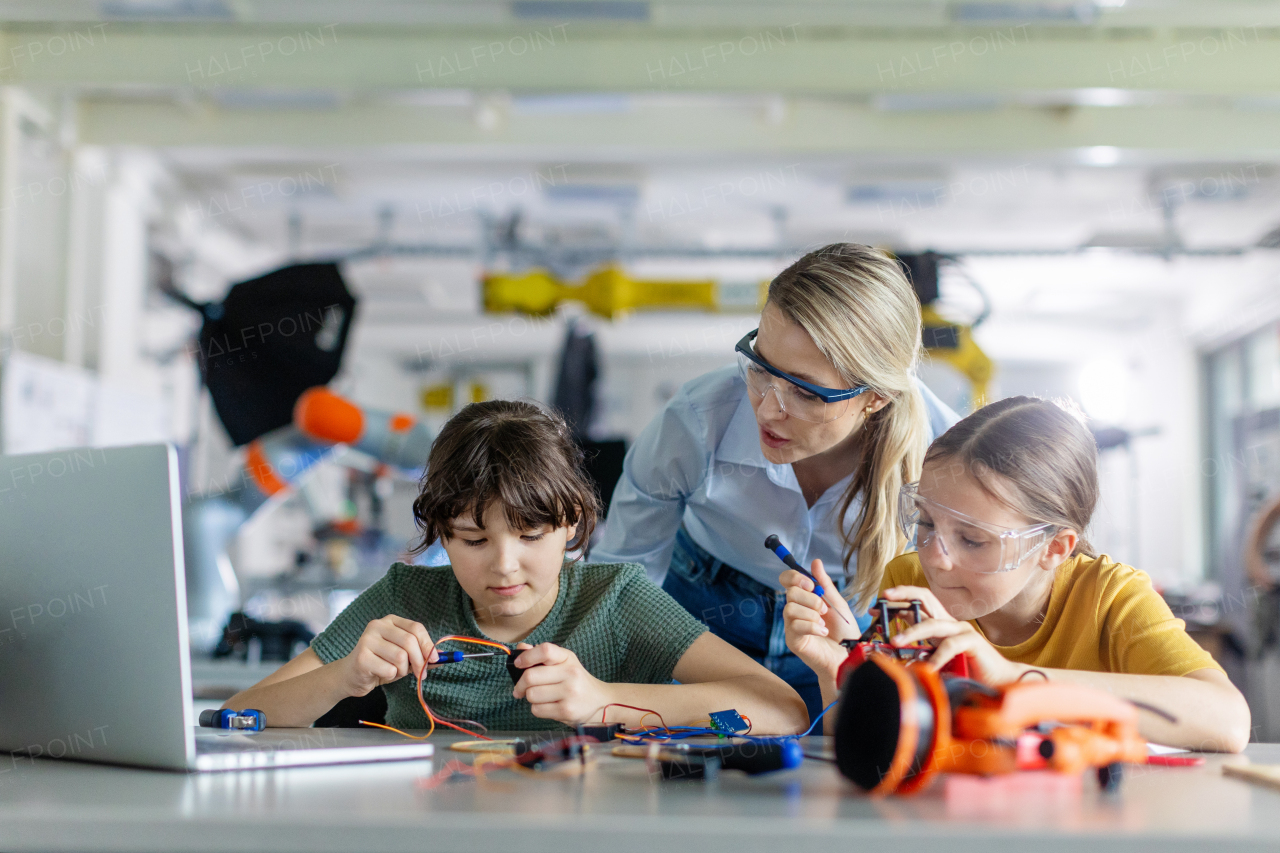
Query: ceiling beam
x=572, y=57
x=690, y=126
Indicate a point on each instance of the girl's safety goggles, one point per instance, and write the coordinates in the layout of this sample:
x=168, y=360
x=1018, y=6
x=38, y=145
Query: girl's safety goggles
x=972, y=545
x=797, y=398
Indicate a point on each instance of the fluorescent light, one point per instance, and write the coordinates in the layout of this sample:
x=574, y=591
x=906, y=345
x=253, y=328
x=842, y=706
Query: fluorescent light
x=1100, y=155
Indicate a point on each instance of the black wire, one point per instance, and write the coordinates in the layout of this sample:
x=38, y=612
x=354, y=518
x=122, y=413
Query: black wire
x=1033, y=672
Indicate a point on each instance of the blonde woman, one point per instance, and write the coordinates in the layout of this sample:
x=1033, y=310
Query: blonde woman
x=810, y=436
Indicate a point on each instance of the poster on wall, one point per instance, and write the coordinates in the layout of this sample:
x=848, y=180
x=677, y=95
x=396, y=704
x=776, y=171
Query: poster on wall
x=46, y=405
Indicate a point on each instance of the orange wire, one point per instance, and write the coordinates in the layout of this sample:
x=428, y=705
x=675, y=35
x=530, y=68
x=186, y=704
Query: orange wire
x=423, y=702
x=397, y=731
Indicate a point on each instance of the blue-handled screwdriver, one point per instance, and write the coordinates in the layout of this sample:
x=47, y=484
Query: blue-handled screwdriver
x=458, y=657
x=774, y=544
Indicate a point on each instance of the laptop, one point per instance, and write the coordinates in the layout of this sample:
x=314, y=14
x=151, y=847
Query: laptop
x=94, y=661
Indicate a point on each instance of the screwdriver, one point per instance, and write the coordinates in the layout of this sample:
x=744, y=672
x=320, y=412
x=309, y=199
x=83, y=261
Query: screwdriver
x=774, y=544
x=458, y=657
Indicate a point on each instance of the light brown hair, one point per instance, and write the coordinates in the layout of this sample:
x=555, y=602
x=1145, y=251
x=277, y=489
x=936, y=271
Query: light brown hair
x=512, y=452
x=1047, y=459
x=862, y=313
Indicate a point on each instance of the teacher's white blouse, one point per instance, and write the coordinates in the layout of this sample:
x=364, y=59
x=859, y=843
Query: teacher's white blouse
x=699, y=462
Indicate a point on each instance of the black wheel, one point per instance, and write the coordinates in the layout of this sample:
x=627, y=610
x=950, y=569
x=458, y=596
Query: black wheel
x=1110, y=777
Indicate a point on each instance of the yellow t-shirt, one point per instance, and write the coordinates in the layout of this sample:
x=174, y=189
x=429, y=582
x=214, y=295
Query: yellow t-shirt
x=1103, y=616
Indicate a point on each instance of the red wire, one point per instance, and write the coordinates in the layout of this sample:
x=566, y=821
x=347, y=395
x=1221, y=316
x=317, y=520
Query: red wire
x=647, y=711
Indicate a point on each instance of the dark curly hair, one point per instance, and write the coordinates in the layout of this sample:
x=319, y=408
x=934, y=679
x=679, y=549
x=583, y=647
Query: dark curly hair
x=509, y=451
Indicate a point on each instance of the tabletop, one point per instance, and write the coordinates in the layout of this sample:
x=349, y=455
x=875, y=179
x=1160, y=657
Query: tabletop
x=616, y=804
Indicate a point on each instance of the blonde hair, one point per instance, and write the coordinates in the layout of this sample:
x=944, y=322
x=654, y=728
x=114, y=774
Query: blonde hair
x=862, y=313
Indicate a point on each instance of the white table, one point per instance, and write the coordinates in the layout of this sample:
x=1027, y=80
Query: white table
x=615, y=806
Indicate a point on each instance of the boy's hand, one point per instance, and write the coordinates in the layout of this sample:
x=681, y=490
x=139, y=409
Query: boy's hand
x=986, y=664
x=814, y=628
x=389, y=649
x=557, y=686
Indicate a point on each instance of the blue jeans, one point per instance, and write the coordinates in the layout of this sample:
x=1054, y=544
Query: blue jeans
x=741, y=611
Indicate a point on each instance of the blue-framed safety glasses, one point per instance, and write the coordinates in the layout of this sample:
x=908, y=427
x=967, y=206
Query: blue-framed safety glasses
x=796, y=397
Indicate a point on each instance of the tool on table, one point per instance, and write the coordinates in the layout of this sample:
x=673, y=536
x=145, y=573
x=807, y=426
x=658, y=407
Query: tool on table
x=248, y=720
x=602, y=732
x=1175, y=761
x=775, y=545
x=689, y=761
x=899, y=724
x=1261, y=774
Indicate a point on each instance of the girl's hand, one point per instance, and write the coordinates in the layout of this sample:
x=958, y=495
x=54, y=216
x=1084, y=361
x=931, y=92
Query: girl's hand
x=814, y=628
x=389, y=649
x=985, y=663
x=557, y=686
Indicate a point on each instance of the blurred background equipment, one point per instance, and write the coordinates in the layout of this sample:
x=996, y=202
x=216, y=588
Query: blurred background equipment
x=275, y=464
x=949, y=342
x=270, y=339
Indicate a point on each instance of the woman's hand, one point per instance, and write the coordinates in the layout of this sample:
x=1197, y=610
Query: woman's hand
x=557, y=686
x=389, y=649
x=815, y=628
x=957, y=638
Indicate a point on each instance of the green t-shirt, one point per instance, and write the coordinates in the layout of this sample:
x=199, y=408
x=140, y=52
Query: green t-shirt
x=621, y=625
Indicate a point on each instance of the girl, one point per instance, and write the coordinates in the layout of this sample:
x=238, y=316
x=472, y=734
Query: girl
x=505, y=491
x=809, y=436
x=1006, y=577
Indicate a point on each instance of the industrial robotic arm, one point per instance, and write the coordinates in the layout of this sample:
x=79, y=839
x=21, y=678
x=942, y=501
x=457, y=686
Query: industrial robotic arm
x=274, y=464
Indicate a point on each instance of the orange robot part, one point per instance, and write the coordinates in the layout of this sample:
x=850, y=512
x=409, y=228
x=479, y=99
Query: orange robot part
x=897, y=727
x=322, y=414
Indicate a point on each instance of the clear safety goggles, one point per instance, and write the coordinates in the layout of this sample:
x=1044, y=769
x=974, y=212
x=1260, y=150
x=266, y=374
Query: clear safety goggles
x=796, y=397
x=972, y=545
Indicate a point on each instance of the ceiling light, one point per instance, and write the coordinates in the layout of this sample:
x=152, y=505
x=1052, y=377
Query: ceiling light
x=1099, y=155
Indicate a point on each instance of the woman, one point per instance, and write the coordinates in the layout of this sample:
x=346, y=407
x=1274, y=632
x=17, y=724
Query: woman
x=810, y=436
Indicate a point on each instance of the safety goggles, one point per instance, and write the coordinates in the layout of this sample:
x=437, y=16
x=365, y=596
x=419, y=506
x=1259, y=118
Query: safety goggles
x=972, y=545
x=797, y=398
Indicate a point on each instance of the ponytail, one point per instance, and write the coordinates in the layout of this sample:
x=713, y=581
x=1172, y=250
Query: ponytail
x=862, y=313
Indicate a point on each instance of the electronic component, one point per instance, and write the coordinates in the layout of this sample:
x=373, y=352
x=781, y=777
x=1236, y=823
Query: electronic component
x=514, y=671
x=248, y=720
x=602, y=732
x=550, y=752
x=888, y=618
x=730, y=722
